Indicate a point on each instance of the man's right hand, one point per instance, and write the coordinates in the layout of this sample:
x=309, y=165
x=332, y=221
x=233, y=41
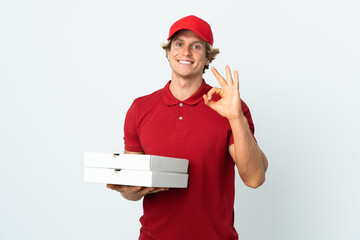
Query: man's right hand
x=134, y=193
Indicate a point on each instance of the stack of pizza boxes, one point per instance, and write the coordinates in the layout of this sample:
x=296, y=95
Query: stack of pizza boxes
x=136, y=170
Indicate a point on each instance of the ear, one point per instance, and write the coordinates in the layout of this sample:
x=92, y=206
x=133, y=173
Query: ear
x=207, y=62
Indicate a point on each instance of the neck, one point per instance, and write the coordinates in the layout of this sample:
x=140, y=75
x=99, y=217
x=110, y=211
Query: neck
x=183, y=88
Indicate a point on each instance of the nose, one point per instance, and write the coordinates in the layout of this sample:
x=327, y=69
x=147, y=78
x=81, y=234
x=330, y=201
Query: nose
x=187, y=50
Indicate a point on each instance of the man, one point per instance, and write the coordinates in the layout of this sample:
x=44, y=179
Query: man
x=211, y=127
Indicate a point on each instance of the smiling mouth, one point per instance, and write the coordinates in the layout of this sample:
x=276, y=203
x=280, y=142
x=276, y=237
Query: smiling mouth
x=185, y=62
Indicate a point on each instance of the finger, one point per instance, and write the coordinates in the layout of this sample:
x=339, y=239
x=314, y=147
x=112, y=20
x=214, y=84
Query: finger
x=213, y=91
x=220, y=79
x=123, y=188
x=149, y=190
x=133, y=189
x=206, y=99
x=228, y=75
x=158, y=190
x=209, y=103
x=236, y=80
x=145, y=190
x=115, y=187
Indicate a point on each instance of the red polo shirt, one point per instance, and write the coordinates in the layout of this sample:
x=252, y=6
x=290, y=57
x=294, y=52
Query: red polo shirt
x=159, y=124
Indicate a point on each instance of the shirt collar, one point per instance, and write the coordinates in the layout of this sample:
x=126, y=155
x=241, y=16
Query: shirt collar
x=192, y=100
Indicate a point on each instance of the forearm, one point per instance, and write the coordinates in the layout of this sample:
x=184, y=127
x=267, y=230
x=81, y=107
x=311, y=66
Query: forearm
x=249, y=159
x=251, y=162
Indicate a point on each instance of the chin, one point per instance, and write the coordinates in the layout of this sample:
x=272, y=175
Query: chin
x=188, y=73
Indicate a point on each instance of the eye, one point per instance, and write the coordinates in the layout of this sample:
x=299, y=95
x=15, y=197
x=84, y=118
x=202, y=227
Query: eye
x=197, y=47
x=178, y=44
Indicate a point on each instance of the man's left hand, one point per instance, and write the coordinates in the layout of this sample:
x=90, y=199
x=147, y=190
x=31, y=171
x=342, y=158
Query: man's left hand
x=229, y=105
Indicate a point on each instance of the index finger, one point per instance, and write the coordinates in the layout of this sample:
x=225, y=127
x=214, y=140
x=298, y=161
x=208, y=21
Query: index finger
x=154, y=190
x=123, y=188
x=221, y=80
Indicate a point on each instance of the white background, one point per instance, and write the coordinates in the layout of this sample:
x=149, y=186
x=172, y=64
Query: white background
x=69, y=70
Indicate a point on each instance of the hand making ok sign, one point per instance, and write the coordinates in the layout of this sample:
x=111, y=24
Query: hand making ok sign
x=229, y=105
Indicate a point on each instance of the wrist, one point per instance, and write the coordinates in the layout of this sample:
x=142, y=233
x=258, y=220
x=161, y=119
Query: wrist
x=239, y=118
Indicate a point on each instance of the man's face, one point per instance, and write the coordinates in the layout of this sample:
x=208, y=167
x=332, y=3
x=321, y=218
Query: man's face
x=187, y=55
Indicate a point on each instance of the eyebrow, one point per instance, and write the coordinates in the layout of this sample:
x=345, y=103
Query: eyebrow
x=194, y=42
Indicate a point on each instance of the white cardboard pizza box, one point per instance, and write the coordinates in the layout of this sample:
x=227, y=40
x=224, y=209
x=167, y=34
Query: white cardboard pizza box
x=135, y=162
x=136, y=177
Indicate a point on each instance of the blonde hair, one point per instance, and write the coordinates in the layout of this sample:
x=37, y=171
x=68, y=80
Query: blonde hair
x=211, y=52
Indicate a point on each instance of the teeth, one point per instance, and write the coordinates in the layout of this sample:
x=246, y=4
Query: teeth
x=184, y=62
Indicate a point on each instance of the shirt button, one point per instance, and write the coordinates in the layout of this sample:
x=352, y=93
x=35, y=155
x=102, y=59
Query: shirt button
x=181, y=104
x=180, y=118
